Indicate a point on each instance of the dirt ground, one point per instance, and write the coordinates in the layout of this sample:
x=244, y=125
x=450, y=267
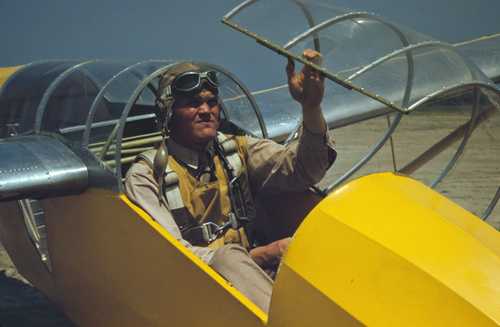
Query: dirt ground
x=472, y=184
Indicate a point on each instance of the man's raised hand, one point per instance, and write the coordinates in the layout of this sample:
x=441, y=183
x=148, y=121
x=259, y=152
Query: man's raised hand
x=308, y=86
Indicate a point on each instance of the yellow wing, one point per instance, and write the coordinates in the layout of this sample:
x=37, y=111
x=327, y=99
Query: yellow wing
x=5, y=73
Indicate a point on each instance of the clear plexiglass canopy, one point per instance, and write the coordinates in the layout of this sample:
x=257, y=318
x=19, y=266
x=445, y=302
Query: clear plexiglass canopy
x=391, y=66
x=378, y=68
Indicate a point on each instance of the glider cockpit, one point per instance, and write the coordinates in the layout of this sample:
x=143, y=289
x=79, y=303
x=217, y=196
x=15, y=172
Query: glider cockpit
x=105, y=108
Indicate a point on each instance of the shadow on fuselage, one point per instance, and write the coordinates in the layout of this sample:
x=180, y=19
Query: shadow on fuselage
x=22, y=305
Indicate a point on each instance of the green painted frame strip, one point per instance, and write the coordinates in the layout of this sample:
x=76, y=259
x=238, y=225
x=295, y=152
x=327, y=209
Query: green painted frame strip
x=334, y=78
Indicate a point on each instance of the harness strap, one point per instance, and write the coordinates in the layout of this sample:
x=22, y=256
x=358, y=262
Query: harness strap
x=189, y=228
x=171, y=192
x=231, y=152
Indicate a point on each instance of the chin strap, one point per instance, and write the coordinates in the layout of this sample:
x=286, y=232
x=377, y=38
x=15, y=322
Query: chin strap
x=159, y=166
x=164, y=104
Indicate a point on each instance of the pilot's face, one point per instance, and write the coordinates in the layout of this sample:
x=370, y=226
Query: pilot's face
x=196, y=119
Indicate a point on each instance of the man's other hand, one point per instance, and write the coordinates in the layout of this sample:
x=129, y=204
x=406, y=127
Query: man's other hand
x=269, y=256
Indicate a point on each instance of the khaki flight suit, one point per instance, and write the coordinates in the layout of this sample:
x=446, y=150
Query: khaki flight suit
x=270, y=167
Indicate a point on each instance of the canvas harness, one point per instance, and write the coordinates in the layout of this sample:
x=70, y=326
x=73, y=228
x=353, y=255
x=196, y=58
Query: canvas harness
x=205, y=233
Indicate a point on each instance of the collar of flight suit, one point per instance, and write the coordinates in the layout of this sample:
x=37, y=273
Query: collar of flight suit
x=191, y=158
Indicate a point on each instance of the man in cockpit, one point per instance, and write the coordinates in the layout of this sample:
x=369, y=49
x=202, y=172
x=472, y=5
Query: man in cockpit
x=199, y=184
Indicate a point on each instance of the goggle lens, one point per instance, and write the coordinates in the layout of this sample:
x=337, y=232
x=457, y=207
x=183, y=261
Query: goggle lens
x=191, y=81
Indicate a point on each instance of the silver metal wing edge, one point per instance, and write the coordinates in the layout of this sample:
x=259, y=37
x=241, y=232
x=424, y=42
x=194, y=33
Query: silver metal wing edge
x=38, y=166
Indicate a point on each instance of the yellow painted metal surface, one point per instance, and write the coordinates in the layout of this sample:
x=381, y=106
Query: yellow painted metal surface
x=114, y=266
x=5, y=73
x=385, y=250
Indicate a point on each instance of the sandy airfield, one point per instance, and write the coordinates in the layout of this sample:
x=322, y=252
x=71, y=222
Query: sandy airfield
x=471, y=184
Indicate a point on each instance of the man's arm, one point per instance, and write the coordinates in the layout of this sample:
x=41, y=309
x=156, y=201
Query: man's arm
x=142, y=189
x=274, y=167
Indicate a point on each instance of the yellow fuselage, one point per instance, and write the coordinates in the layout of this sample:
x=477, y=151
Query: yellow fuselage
x=383, y=250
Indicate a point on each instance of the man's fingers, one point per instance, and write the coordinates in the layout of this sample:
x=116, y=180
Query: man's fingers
x=290, y=68
x=321, y=77
x=314, y=57
x=284, y=243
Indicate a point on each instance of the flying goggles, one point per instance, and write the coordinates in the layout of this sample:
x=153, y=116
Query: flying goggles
x=191, y=82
